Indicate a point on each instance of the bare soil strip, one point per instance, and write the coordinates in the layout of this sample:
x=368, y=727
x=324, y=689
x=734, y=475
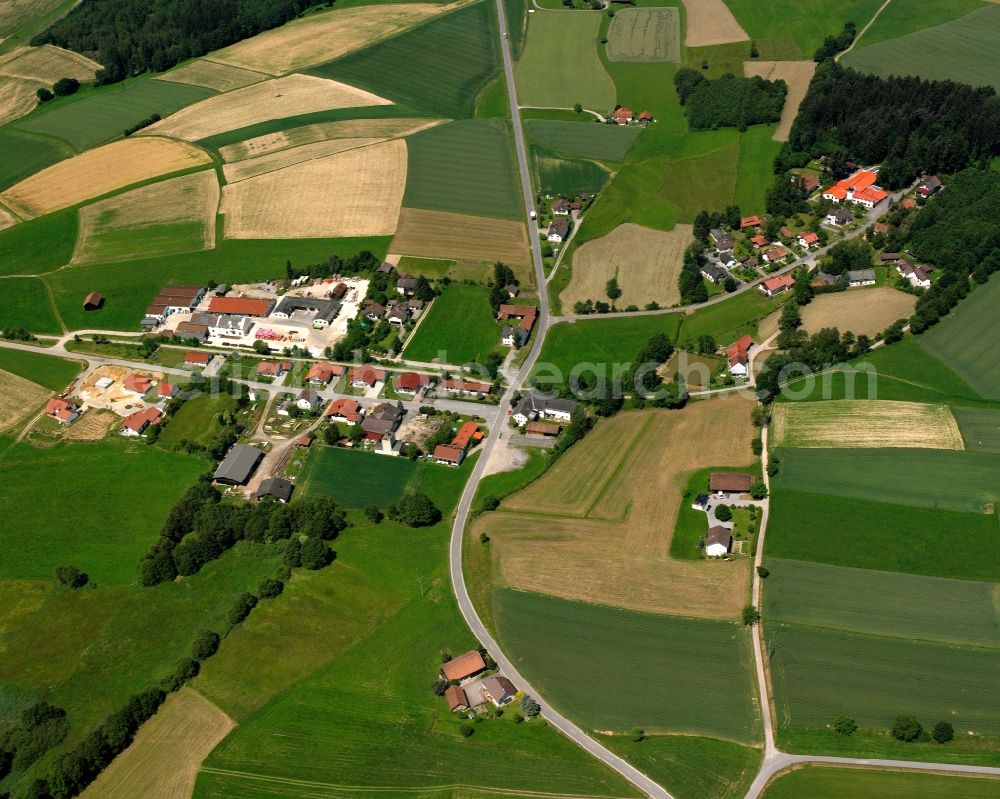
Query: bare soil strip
x=7, y=219
x=797, y=74
x=711, y=22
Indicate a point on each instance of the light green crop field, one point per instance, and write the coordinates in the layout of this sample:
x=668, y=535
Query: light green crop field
x=584, y=139
x=355, y=479
x=961, y=481
x=448, y=62
x=880, y=535
x=755, y=171
x=560, y=66
x=966, y=50
x=901, y=17
x=835, y=783
x=726, y=321
x=466, y=167
x=645, y=34
x=882, y=603
x=573, y=652
x=96, y=524
x=819, y=674
x=39, y=245
x=196, y=420
x=556, y=175
x=46, y=370
x=962, y=341
x=23, y=154
x=460, y=324
x=26, y=304
x=980, y=428
x=96, y=115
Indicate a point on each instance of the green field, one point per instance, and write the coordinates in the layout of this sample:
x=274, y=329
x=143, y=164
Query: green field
x=113, y=498
x=958, y=481
x=555, y=175
x=560, y=66
x=460, y=325
x=40, y=245
x=448, y=61
x=94, y=116
x=966, y=50
x=980, y=428
x=879, y=535
x=726, y=321
x=787, y=30
x=26, y=304
x=196, y=420
x=600, y=342
x=962, y=340
x=645, y=35
x=688, y=766
x=46, y=370
x=755, y=168
x=882, y=603
x=584, y=139
x=818, y=674
x=355, y=479
x=901, y=17
x=23, y=154
x=835, y=783
x=128, y=287
x=466, y=167
x=147, y=241
x=573, y=652
x=516, y=12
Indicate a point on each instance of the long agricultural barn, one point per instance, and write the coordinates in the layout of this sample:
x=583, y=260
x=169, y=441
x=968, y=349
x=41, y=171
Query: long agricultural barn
x=238, y=465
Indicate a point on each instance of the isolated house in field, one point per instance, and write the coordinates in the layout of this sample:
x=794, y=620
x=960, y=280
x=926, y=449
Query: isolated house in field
x=859, y=189
x=739, y=357
x=456, y=698
x=499, y=690
x=239, y=463
x=345, y=411
x=558, y=230
x=645, y=117
x=410, y=382
x=861, y=277
x=135, y=424
x=839, y=217
x=729, y=482
x=93, y=301
x=366, y=377
x=623, y=116
x=718, y=541
x=63, y=411
x=448, y=456
x=464, y=666
x=323, y=373
x=776, y=285
x=276, y=487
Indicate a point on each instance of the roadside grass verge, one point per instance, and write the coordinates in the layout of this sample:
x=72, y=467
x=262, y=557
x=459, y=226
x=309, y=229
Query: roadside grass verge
x=830, y=783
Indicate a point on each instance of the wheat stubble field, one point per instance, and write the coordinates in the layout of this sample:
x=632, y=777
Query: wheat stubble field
x=597, y=525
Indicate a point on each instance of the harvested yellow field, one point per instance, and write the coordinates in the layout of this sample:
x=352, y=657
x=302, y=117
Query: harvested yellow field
x=48, y=64
x=17, y=98
x=394, y=128
x=17, y=12
x=318, y=38
x=862, y=311
x=163, y=760
x=437, y=234
x=221, y=77
x=865, y=424
x=175, y=215
x=272, y=99
x=356, y=193
x=99, y=171
x=7, y=219
x=646, y=262
x=94, y=425
x=252, y=167
x=711, y=22
x=597, y=525
x=797, y=74
x=19, y=399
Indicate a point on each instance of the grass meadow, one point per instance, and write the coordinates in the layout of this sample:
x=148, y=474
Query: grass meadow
x=819, y=673
x=46, y=370
x=556, y=175
x=884, y=536
x=949, y=480
x=23, y=154
x=196, y=420
x=466, y=167
x=645, y=34
x=573, y=652
x=980, y=428
x=817, y=782
x=583, y=139
x=560, y=66
x=966, y=50
x=963, y=341
x=355, y=479
x=448, y=61
x=109, y=512
x=901, y=17
x=39, y=245
x=726, y=321
x=460, y=324
x=882, y=603
x=26, y=304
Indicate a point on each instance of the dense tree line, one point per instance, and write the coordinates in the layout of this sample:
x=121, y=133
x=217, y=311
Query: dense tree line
x=834, y=44
x=40, y=727
x=729, y=101
x=692, y=284
x=503, y=276
x=908, y=125
x=133, y=36
x=200, y=527
x=846, y=256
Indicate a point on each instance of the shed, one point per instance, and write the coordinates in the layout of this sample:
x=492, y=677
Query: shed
x=730, y=482
x=463, y=666
x=276, y=487
x=238, y=465
x=456, y=698
x=93, y=301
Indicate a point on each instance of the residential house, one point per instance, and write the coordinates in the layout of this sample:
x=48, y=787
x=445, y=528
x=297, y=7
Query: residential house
x=399, y=314
x=759, y=241
x=786, y=232
x=499, y=690
x=385, y=268
x=320, y=313
x=908, y=202
x=303, y=442
x=889, y=257
x=191, y=331
x=526, y=314
x=839, y=217
x=308, y=400
x=807, y=183
x=738, y=354
x=916, y=275
x=726, y=258
x=929, y=186
x=345, y=411
x=63, y=411
x=859, y=189
x=700, y=502
x=512, y=290
x=456, y=698
x=192, y=358
x=776, y=285
x=776, y=253
x=808, y=239
x=464, y=666
x=729, y=482
x=714, y=273
x=366, y=376
x=406, y=285
x=273, y=369
x=722, y=241
x=135, y=424
x=275, y=487
x=514, y=336
x=718, y=541
x=466, y=434
x=466, y=387
x=861, y=277
x=382, y=420
x=880, y=228
x=558, y=230
x=750, y=222
x=416, y=306
x=239, y=463
x=645, y=117
x=821, y=278
x=372, y=311
x=622, y=115
x=322, y=373
x=561, y=207
x=224, y=326
x=167, y=390
x=410, y=382
x=240, y=306
x=448, y=456
x=93, y=301
x=534, y=405
x=138, y=384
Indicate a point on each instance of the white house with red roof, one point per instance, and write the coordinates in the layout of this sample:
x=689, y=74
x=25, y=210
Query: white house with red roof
x=738, y=354
x=63, y=411
x=776, y=285
x=808, y=239
x=345, y=411
x=135, y=424
x=623, y=116
x=859, y=189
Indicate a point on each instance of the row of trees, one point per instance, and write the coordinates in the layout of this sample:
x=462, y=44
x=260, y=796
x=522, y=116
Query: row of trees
x=692, y=284
x=834, y=44
x=40, y=727
x=729, y=101
x=904, y=728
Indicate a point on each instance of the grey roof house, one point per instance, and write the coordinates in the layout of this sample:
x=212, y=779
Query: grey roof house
x=276, y=487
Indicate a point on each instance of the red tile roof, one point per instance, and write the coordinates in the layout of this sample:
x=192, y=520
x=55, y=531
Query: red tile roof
x=456, y=698
x=442, y=452
x=137, y=421
x=471, y=386
x=750, y=221
x=411, y=381
x=367, y=374
x=463, y=666
x=623, y=114
x=861, y=183
x=166, y=389
x=197, y=357
x=809, y=238
x=243, y=306
x=57, y=405
x=773, y=284
x=759, y=240
x=737, y=351
x=729, y=481
x=347, y=408
x=137, y=383
x=465, y=434
x=273, y=368
x=324, y=371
